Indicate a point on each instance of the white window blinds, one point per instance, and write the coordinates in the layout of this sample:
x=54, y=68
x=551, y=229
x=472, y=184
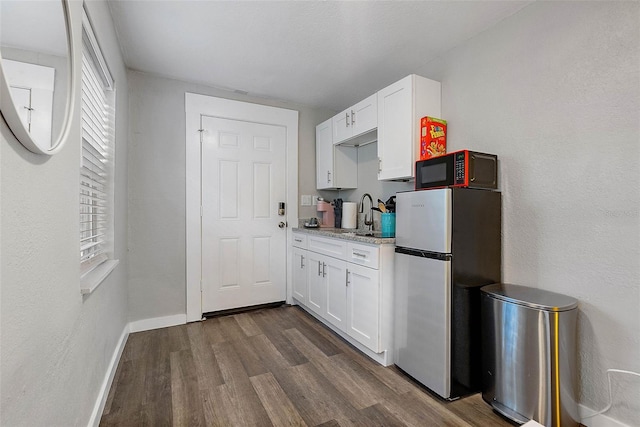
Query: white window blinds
x=96, y=169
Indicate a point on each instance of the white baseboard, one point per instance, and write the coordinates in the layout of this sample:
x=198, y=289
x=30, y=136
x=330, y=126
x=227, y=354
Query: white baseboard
x=600, y=420
x=157, y=323
x=96, y=415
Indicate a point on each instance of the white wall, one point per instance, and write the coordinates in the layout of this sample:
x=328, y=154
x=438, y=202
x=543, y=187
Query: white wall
x=554, y=90
x=157, y=197
x=56, y=345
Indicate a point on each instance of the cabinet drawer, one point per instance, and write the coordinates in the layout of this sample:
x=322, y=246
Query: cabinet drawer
x=326, y=246
x=363, y=254
x=300, y=240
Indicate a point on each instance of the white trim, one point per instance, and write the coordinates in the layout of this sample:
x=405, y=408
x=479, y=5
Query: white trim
x=599, y=420
x=194, y=106
x=92, y=279
x=101, y=400
x=157, y=323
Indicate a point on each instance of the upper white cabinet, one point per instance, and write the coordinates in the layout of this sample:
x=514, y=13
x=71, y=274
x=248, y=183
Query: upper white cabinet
x=400, y=108
x=336, y=166
x=356, y=121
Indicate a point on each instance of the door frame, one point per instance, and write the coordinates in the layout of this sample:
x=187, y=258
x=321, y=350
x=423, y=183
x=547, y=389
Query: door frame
x=195, y=106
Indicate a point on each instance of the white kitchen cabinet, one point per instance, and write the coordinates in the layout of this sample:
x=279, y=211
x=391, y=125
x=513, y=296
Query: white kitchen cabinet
x=299, y=288
x=400, y=108
x=349, y=288
x=316, y=285
x=336, y=166
x=356, y=120
x=335, y=275
x=363, y=305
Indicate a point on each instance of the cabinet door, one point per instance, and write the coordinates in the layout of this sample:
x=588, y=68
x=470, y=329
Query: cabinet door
x=300, y=275
x=395, y=144
x=324, y=156
x=316, y=297
x=364, y=115
x=335, y=275
x=363, y=305
x=342, y=128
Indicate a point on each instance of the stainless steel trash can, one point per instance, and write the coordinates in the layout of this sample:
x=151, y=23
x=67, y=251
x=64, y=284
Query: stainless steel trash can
x=529, y=354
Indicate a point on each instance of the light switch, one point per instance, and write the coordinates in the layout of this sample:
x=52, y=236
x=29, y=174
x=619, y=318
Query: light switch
x=305, y=200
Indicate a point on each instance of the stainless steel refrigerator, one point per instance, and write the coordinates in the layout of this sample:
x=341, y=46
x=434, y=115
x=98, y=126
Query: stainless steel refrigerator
x=448, y=245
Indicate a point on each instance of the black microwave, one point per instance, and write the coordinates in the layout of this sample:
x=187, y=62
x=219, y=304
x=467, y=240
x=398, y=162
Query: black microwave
x=458, y=169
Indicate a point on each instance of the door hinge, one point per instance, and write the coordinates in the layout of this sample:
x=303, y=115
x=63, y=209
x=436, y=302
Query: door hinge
x=201, y=211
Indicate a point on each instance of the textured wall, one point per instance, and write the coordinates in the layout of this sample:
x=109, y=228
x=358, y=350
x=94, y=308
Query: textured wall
x=157, y=187
x=554, y=90
x=56, y=345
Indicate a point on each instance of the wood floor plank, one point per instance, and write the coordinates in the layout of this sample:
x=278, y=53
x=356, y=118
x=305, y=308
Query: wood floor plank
x=186, y=403
x=129, y=390
x=304, y=345
x=218, y=408
x=212, y=331
x=244, y=399
x=247, y=324
x=411, y=409
x=158, y=413
x=157, y=386
x=272, y=329
x=299, y=315
x=269, y=354
x=378, y=416
x=207, y=369
x=313, y=395
x=280, y=409
x=355, y=391
x=230, y=328
x=177, y=339
x=321, y=341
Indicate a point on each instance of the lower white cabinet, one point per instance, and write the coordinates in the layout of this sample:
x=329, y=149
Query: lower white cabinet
x=351, y=298
x=299, y=287
x=317, y=291
x=335, y=272
x=363, y=305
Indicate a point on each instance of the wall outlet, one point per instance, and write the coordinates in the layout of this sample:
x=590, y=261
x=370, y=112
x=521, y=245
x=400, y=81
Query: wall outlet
x=305, y=200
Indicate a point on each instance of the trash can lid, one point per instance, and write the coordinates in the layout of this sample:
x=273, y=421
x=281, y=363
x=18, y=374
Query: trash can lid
x=531, y=297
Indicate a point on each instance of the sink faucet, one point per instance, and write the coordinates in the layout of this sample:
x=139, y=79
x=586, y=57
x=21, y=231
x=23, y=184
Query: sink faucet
x=369, y=222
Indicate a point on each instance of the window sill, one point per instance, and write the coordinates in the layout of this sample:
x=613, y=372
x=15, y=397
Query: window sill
x=91, y=280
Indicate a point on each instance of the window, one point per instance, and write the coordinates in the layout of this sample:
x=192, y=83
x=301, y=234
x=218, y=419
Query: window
x=96, y=164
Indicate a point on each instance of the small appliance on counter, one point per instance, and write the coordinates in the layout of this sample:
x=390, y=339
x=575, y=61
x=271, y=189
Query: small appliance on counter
x=325, y=214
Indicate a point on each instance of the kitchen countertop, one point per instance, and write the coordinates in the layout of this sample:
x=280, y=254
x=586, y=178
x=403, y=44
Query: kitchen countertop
x=344, y=234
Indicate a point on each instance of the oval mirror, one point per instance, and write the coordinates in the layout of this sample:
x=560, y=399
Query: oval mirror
x=36, y=72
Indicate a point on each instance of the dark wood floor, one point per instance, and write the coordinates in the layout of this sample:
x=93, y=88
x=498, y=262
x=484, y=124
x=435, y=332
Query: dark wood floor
x=275, y=366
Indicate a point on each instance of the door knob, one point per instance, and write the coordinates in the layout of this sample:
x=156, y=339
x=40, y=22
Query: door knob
x=282, y=224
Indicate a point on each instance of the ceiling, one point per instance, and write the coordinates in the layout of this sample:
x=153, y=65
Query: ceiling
x=316, y=53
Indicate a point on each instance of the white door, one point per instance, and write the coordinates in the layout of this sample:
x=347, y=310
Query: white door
x=341, y=124
x=243, y=247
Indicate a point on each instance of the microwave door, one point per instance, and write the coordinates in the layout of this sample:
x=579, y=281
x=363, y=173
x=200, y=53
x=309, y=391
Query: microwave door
x=423, y=220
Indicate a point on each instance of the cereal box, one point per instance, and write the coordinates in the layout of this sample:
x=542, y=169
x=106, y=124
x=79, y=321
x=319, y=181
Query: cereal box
x=433, y=137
